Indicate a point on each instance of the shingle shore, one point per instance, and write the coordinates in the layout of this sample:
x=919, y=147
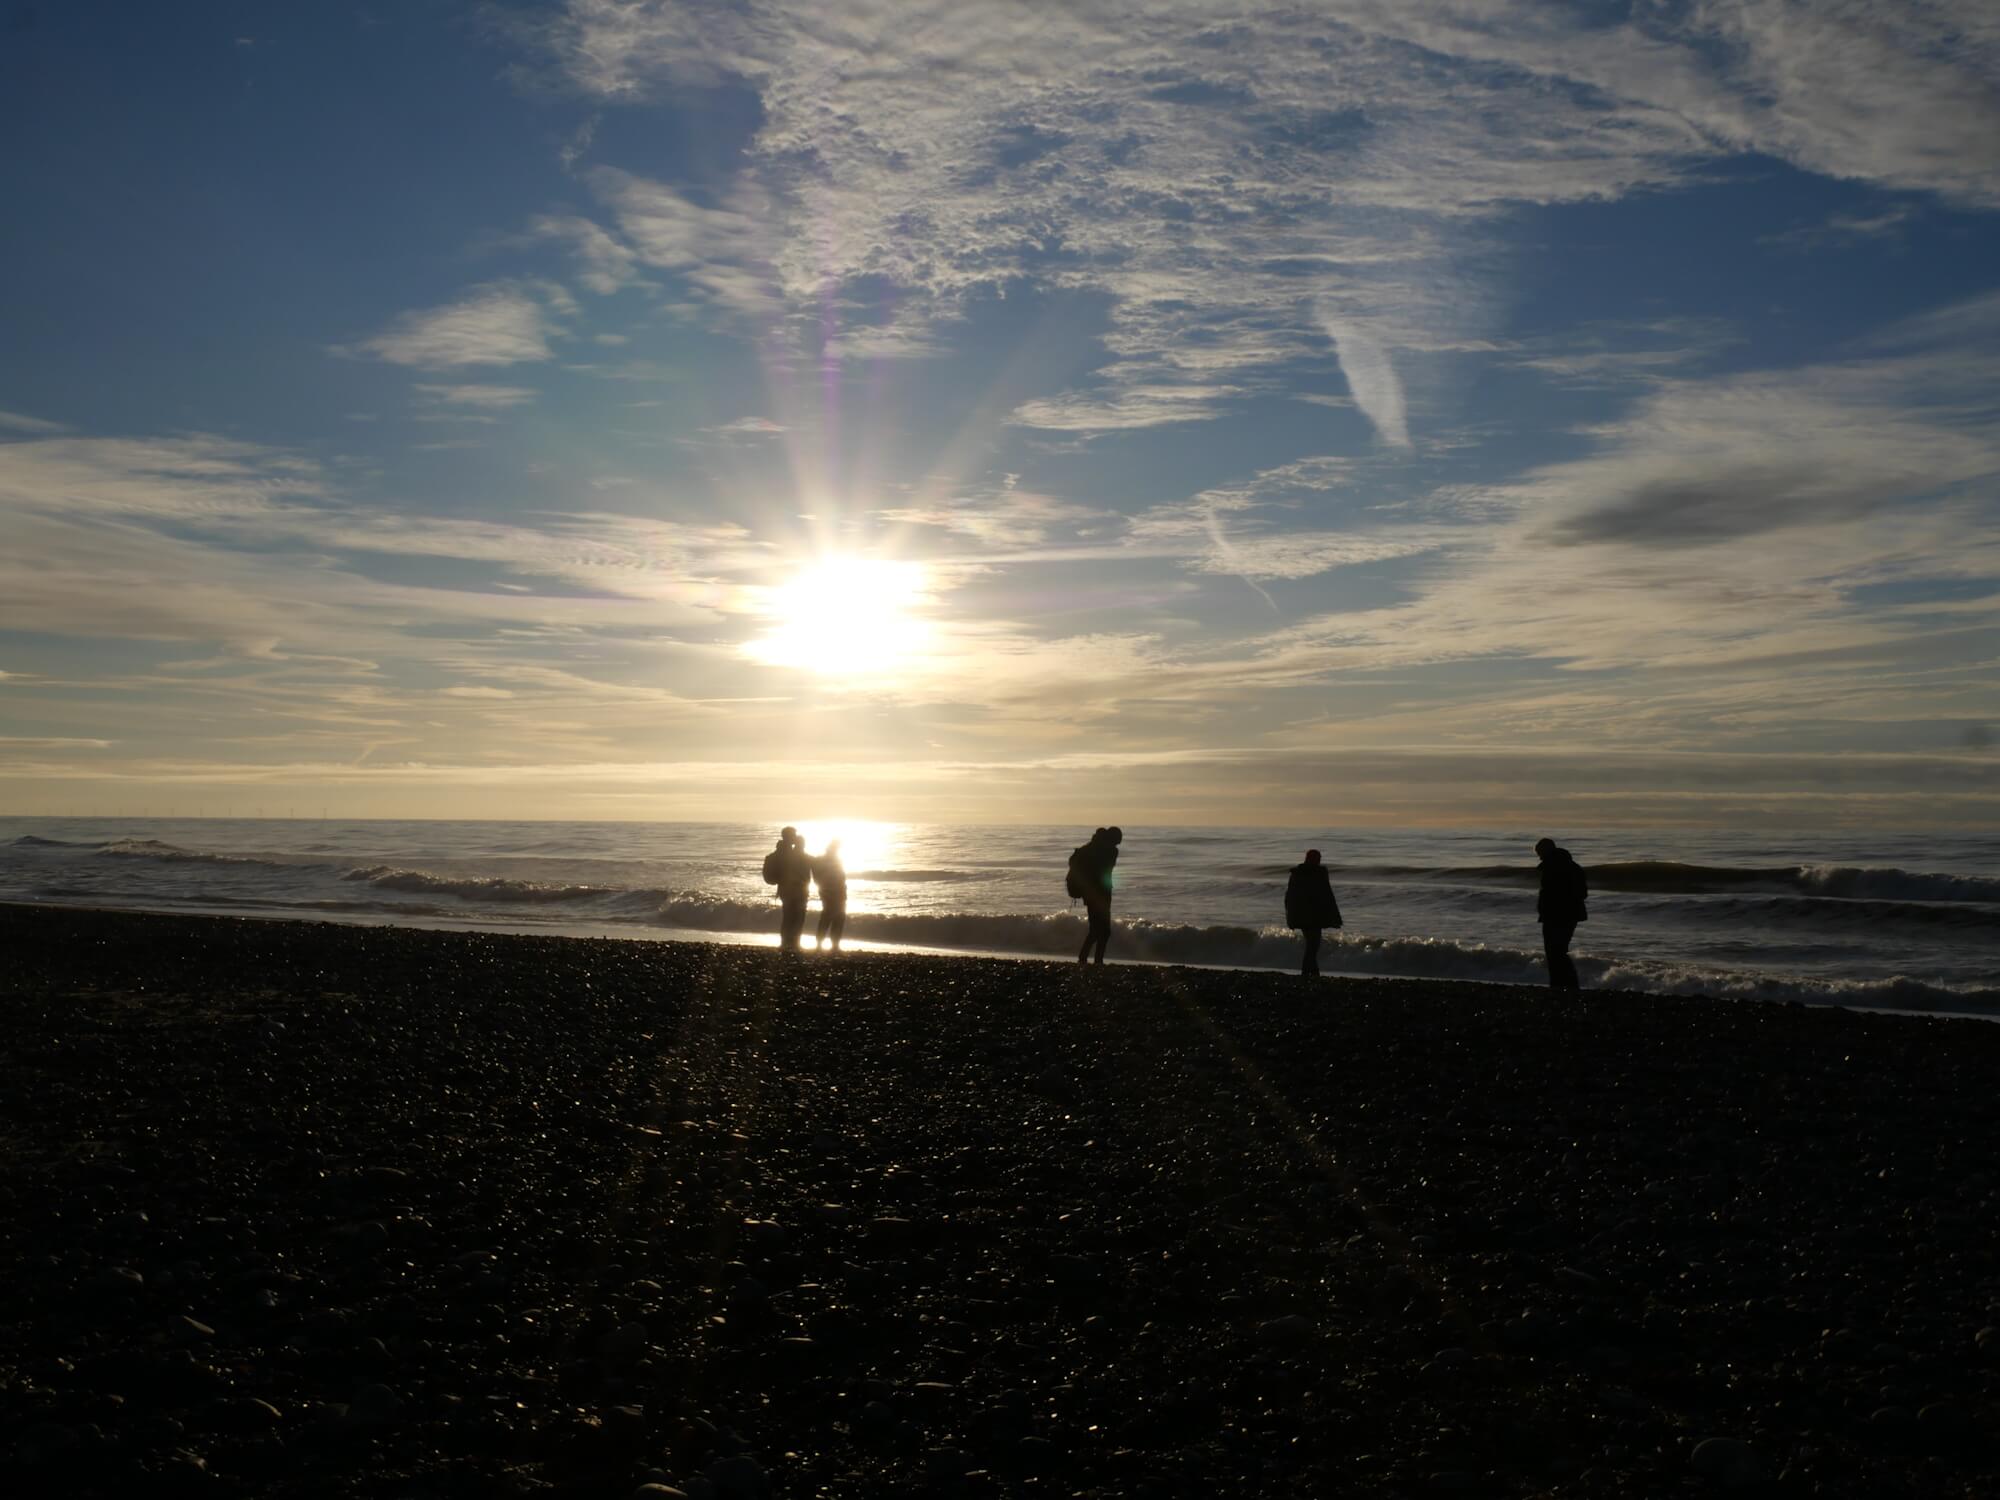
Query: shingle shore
x=294, y=1209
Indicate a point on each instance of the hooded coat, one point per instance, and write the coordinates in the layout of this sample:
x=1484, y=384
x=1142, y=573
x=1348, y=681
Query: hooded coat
x=1309, y=898
x=1090, y=867
x=1564, y=890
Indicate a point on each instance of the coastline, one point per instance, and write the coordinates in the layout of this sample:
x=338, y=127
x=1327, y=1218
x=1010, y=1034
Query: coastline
x=1367, y=958
x=332, y=1209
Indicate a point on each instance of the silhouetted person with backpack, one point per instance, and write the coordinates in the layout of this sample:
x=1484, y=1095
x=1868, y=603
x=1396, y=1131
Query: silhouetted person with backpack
x=790, y=871
x=1090, y=881
x=830, y=875
x=1559, y=907
x=1310, y=907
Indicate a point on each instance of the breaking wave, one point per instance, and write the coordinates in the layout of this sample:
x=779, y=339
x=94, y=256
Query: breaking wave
x=175, y=854
x=1915, y=940
x=1670, y=877
x=1058, y=934
x=488, y=888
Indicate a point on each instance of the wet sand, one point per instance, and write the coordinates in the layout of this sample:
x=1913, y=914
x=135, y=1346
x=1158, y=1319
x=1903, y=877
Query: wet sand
x=292, y=1209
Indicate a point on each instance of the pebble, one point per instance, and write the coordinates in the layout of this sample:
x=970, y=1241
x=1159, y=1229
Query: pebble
x=626, y=1341
x=1945, y=1418
x=375, y=1403
x=961, y=1230
x=738, y=1477
x=1729, y=1462
x=1287, y=1332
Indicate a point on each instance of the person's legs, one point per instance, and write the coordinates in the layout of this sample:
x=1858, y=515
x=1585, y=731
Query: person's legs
x=1555, y=944
x=793, y=925
x=837, y=915
x=1310, y=968
x=1089, y=931
x=1100, y=927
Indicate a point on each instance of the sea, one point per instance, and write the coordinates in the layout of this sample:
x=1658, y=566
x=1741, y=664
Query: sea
x=1901, y=922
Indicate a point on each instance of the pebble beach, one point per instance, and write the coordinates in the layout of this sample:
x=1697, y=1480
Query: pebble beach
x=294, y=1209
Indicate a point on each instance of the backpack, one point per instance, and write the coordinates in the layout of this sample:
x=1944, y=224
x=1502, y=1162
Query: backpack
x=1079, y=859
x=774, y=866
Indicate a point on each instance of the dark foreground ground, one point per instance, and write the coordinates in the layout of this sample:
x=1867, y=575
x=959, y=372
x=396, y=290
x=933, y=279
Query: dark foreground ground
x=296, y=1210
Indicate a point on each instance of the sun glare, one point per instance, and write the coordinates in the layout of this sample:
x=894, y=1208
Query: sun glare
x=846, y=617
x=864, y=845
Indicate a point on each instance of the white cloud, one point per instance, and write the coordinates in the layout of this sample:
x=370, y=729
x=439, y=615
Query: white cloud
x=14, y=421
x=719, y=249
x=501, y=323
x=1725, y=521
x=1138, y=406
x=1006, y=516
x=749, y=427
x=168, y=478
x=1242, y=180
x=1304, y=554
x=478, y=397
x=1371, y=376
x=1839, y=229
x=606, y=263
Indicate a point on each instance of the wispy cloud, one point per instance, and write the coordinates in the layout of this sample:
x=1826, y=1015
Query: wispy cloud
x=605, y=263
x=14, y=421
x=1137, y=406
x=1371, y=376
x=1844, y=229
x=477, y=397
x=1246, y=187
x=501, y=323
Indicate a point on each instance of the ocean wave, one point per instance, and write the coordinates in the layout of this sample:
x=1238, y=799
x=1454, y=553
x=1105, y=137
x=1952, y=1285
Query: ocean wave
x=1672, y=877
x=1898, y=992
x=1887, y=883
x=490, y=888
x=1852, y=915
x=1059, y=933
x=35, y=841
x=174, y=854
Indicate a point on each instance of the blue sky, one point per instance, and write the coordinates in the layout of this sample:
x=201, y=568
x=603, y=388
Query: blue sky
x=1365, y=411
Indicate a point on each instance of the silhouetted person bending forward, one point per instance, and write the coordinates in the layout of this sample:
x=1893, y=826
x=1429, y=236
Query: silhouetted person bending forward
x=830, y=875
x=1310, y=907
x=1559, y=907
x=1090, y=879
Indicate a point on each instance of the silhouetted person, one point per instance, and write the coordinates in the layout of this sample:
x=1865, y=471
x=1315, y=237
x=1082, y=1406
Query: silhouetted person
x=1090, y=880
x=1559, y=907
x=1310, y=907
x=790, y=871
x=830, y=875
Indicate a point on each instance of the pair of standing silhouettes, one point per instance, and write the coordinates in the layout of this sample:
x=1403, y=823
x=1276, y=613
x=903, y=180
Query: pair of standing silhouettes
x=1559, y=905
x=794, y=872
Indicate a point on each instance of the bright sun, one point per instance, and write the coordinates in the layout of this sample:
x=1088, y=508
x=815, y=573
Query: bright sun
x=846, y=617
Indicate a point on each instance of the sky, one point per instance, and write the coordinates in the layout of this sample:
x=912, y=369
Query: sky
x=1472, y=412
